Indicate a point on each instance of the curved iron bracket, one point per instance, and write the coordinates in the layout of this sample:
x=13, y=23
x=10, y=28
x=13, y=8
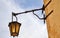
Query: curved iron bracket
x=13, y=14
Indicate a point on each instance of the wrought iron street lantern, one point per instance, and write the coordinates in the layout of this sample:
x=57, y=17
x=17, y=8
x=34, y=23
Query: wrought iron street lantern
x=14, y=27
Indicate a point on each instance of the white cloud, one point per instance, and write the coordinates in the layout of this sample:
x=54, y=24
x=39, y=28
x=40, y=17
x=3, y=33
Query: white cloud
x=6, y=8
x=31, y=26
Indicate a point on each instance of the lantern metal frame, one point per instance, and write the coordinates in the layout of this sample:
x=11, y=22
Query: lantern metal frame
x=15, y=33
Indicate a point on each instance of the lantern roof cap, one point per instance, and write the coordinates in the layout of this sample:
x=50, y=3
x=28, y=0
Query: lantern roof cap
x=14, y=22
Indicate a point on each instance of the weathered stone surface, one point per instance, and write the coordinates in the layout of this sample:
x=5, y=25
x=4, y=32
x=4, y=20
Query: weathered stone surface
x=53, y=20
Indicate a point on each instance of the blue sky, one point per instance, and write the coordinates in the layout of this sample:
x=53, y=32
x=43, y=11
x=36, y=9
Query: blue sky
x=31, y=26
x=29, y=3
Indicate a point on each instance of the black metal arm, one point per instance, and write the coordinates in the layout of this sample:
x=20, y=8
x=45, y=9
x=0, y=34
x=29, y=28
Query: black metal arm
x=43, y=8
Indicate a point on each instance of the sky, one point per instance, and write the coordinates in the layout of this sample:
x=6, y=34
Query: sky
x=31, y=26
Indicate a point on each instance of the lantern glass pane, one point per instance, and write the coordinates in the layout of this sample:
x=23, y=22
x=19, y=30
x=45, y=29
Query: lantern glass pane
x=13, y=28
x=17, y=28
